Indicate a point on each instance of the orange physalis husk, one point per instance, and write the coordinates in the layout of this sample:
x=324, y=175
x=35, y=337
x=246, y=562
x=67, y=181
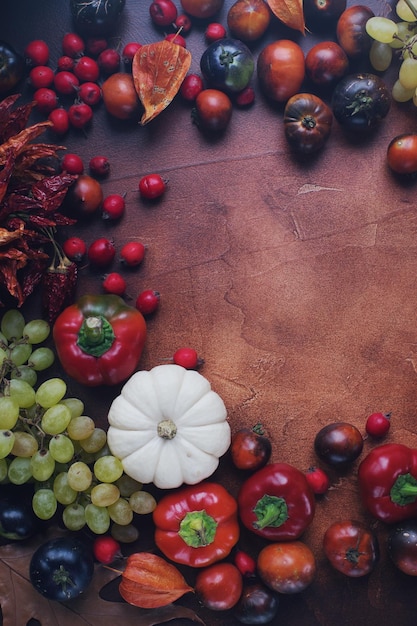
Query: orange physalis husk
x=158, y=70
x=150, y=582
x=290, y=12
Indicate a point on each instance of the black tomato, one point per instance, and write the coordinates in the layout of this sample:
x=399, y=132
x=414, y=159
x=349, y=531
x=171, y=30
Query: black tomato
x=61, y=569
x=12, y=67
x=338, y=444
x=326, y=63
x=351, y=30
x=402, y=547
x=227, y=64
x=360, y=102
x=307, y=122
x=321, y=15
x=257, y=605
x=250, y=449
x=98, y=17
x=351, y=548
x=17, y=519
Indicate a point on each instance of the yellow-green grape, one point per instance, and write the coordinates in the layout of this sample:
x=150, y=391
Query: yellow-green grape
x=7, y=438
x=41, y=359
x=125, y=534
x=108, y=469
x=400, y=94
x=405, y=32
x=404, y=12
x=381, y=29
x=9, y=412
x=12, y=324
x=63, y=492
x=121, y=512
x=23, y=393
x=3, y=355
x=25, y=444
x=75, y=405
x=20, y=470
x=80, y=427
x=79, y=476
x=55, y=419
x=42, y=465
x=408, y=73
x=142, y=502
x=104, y=494
x=128, y=485
x=20, y=353
x=380, y=56
x=73, y=516
x=95, y=441
x=61, y=448
x=44, y=503
x=50, y=392
x=24, y=372
x=36, y=331
x=4, y=468
x=97, y=519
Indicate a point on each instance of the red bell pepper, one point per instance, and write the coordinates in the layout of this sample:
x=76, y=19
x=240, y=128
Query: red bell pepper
x=276, y=502
x=99, y=339
x=196, y=525
x=387, y=480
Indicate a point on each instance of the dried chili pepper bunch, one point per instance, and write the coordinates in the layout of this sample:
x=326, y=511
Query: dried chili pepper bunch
x=31, y=195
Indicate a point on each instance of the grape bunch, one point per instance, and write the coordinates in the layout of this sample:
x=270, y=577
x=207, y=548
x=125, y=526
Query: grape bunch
x=397, y=38
x=47, y=440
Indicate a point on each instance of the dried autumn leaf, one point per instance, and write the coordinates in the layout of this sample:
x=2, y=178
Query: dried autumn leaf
x=158, y=70
x=290, y=12
x=151, y=582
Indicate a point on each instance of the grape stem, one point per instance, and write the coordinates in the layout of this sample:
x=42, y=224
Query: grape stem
x=411, y=7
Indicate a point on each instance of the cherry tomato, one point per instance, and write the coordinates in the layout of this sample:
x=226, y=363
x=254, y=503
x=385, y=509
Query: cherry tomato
x=351, y=30
x=152, y=186
x=41, y=76
x=286, y=567
x=213, y=110
x=402, y=547
x=87, y=69
x=250, y=448
x=85, y=196
x=191, y=86
x=109, y=61
x=101, y=252
x=94, y=46
x=326, y=62
x=90, y=93
x=147, y=301
x=378, y=424
x=402, y=154
x=46, y=100
x=215, y=31
x=106, y=549
x=188, y=358
x=202, y=9
x=318, y=480
x=65, y=64
x=119, y=96
x=99, y=165
x=163, y=12
x=351, y=548
x=219, y=586
x=72, y=164
x=36, y=52
x=132, y=253
x=113, y=207
x=183, y=23
x=80, y=114
x=129, y=51
x=245, y=98
x=248, y=19
x=281, y=69
x=73, y=45
x=74, y=248
x=245, y=564
x=66, y=83
x=307, y=122
x=176, y=38
x=114, y=283
x=338, y=444
x=60, y=120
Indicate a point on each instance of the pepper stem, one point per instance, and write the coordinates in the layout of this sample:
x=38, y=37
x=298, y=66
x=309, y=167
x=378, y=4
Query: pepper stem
x=95, y=336
x=198, y=529
x=404, y=490
x=270, y=511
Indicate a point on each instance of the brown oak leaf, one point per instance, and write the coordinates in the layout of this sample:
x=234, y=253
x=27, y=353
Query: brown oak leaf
x=290, y=12
x=20, y=602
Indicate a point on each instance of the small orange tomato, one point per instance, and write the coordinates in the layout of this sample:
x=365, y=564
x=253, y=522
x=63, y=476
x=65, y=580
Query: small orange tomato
x=281, y=69
x=286, y=567
x=201, y=8
x=402, y=154
x=249, y=19
x=120, y=97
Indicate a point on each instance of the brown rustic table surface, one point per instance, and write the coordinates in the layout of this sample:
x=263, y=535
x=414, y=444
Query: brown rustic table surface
x=294, y=279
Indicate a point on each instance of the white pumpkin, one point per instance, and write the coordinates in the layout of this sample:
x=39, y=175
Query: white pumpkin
x=168, y=427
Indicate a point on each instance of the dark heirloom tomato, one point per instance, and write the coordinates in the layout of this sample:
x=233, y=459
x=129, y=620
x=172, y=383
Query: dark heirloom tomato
x=202, y=8
x=281, y=69
x=338, y=444
x=250, y=448
x=360, y=102
x=351, y=548
x=351, y=30
x=402, y=154
x=98, y=17
x=326, y=62
x=227, y=64
x=322, y=14
x=402, y=547
x=248, y=19
x=12, y=67
x=307, y=122
x=257, y=605
x=287, y=567
x=213, y=110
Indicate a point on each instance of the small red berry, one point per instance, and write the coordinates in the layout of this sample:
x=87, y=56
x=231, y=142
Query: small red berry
x=74, y=248
x=191, y=86
x=246, y=97
x=176, y=38
x=132, y=253
x=36, y=52
x=184, y=23
x=129, y=51
x=163, y=12
x=90, y=93
x=106, y=549
x=41, y=76
x=87, y=70
x=214, y=32
x=152, y=186
x=109, y=61
x=46, y=100
x=95, y=45
x=73, y=45
x=80, y=114
x=245, y=564
x=318, y=480
x=113, y=207
x=99, y=166
x=66, y=83
x=60, y=120
x=114, y=283
x=147, y=301
x=188, y=358
x=378, y=424
x=72, y=164
x=101, y=252
x=65, y=64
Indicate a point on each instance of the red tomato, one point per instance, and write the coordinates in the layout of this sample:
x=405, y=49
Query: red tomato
x=402, y=154
x=351, y=30
x=152, y=186
x=351, y=548
x=248, y=19
x=219, y=586
x=119, y=96
x=326, y=62
x=202, y=8
x=281, y=69
x=378, y=424
x=286, y=567
x=214, y=110
x=318, y=480
x=250, y=448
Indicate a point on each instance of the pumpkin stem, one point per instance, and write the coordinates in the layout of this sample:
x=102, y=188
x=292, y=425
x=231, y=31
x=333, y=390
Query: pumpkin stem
x=167, y=429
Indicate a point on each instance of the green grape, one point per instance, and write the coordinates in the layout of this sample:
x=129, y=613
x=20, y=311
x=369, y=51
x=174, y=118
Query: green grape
x=36, y=331
x=124, y=534
x=44, y=503
x=3, y=356
x=79, y=476
x=7, y=438
x=26, y=373
x=43, y=465
x=20, y=353
x=399, y=94
x=407, y=74
x=80, y=427
x=73, y=516
x=20, y=470
x=381, y=29
x=108, y=469
x=55, y=419
x=9, y=412
x=22, y=393
x=104, y=451
x=380, y=56
x=120, y=512
x=127, y=485
x=25, y=445
x=97, y=519
x=41, y=359
x=104, y=494
x=95, y=441
x=12, y=324
x=405, y=31
x=404, y=12
x=142, y=502
x=75, y=406
x=63, y=492
x=4, y=469
x=51, y=392
x=3, y=341
x=61, y=448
